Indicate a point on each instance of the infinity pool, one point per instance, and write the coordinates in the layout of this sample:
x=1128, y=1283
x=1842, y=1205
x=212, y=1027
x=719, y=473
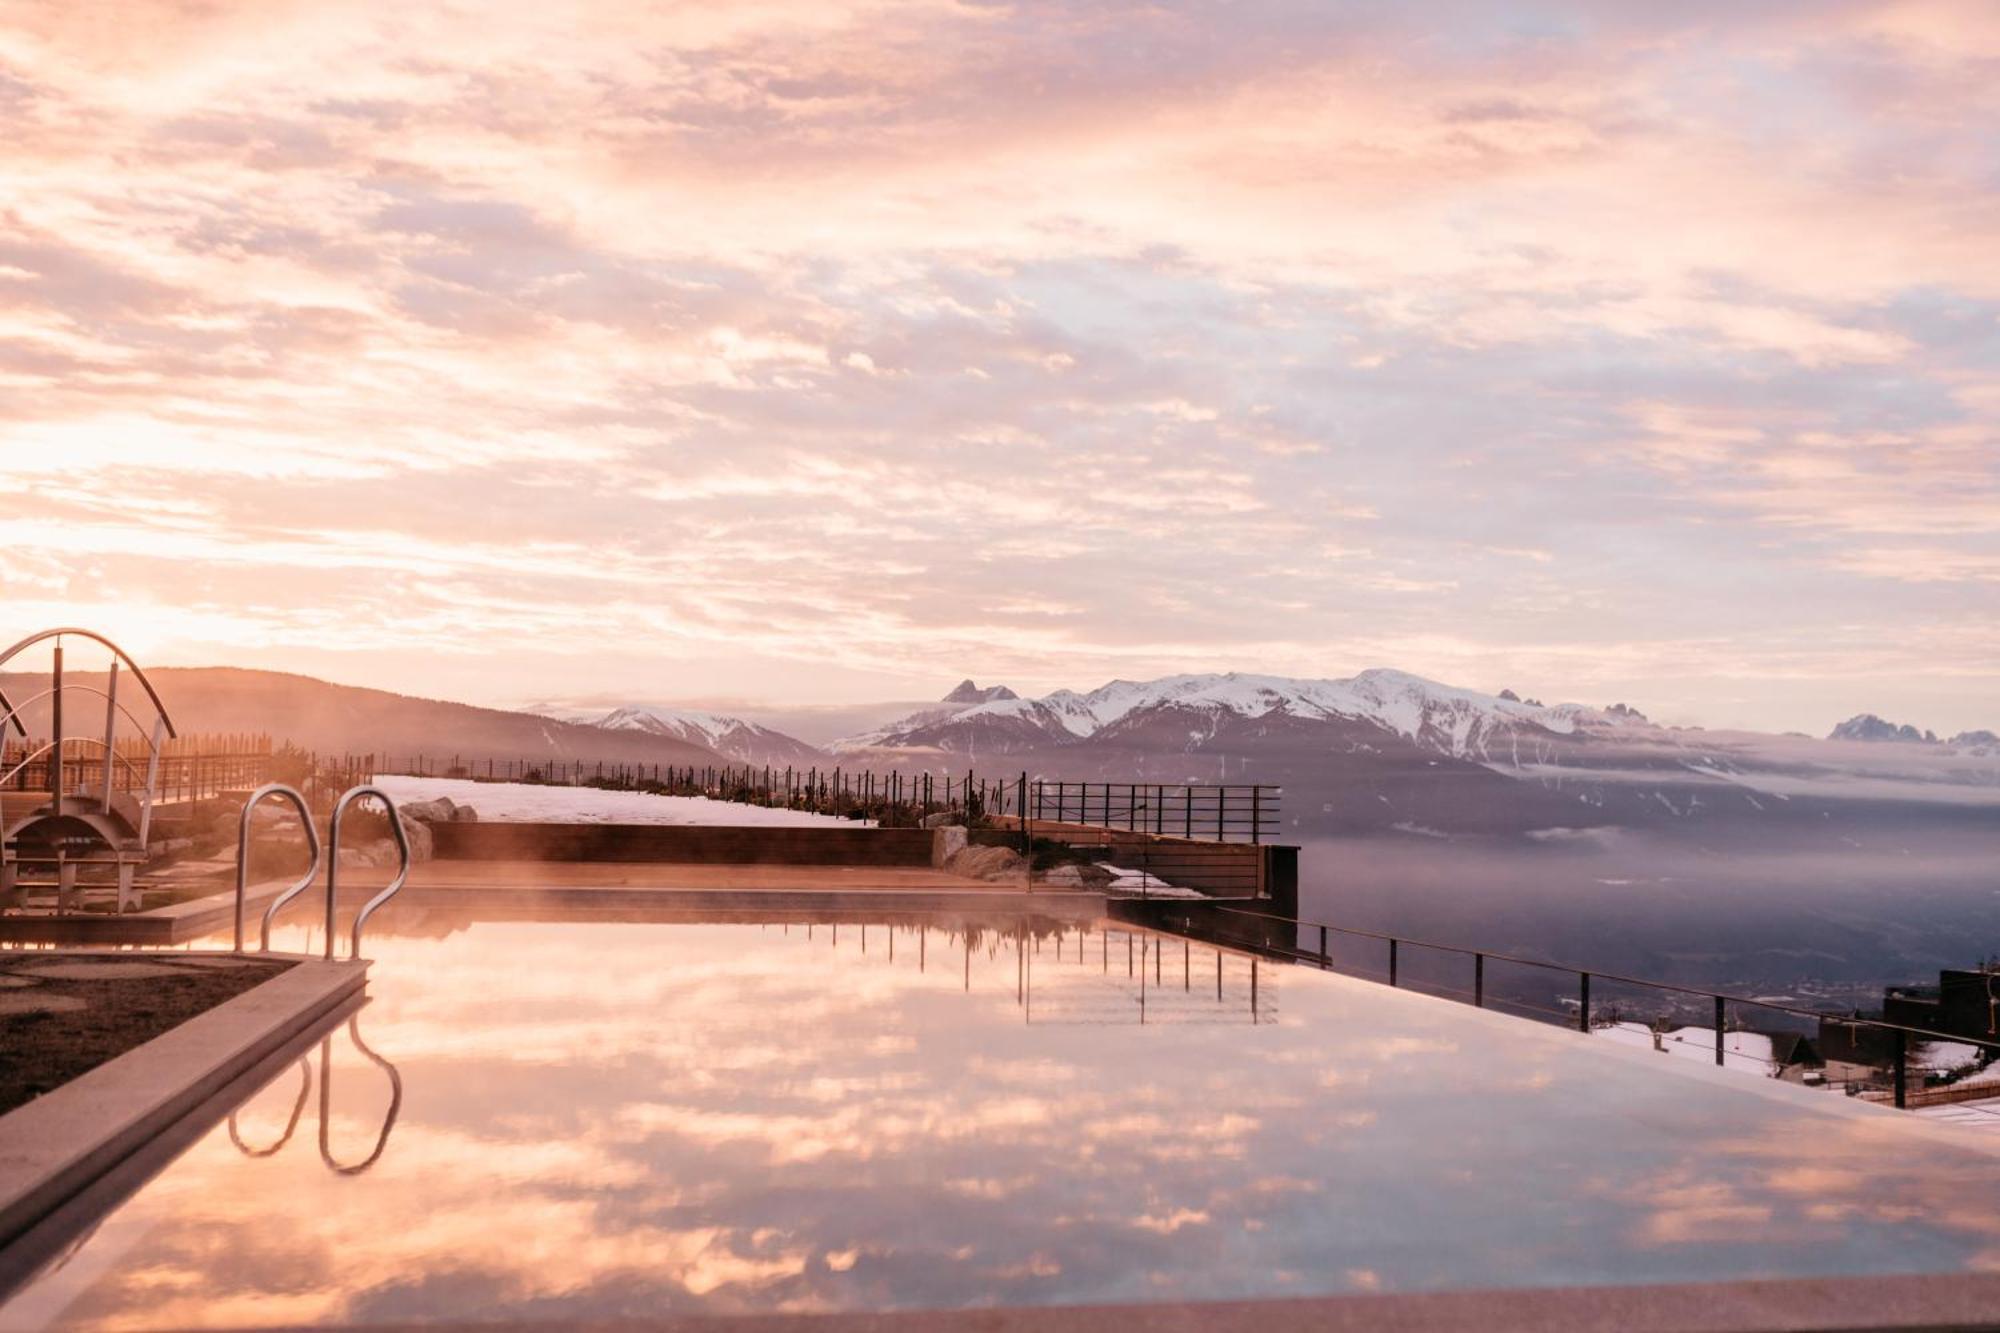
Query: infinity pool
x=612, y=1118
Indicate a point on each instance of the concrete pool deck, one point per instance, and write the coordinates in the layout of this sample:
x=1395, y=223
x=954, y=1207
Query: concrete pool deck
x=58, y=1144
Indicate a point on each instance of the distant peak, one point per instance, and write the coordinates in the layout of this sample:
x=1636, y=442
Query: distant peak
x=1868, y=727
x=969, y=693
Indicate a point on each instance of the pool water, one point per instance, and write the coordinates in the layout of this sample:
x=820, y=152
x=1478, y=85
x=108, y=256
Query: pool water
x=605, y=1118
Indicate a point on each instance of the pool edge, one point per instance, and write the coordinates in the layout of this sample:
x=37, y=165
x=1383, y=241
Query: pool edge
x=56, y=1146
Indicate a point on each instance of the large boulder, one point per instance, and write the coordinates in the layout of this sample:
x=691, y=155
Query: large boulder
x=1076, y=877
x=422, y=845
x=440, y=811
x=946, y=842
x=992, y=864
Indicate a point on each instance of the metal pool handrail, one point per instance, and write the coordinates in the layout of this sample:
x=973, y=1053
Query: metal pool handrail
x=243, y=858
x=333, y=864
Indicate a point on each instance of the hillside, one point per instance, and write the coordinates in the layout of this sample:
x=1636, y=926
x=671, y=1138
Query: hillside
x=317, y=715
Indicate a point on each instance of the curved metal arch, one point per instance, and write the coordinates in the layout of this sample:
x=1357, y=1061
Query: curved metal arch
x=298, y=1109
x=105, y=695
x=243, y=858
x=99, y=824
x=95, y=637
x=352, y=795
x=9, y=713
x=326, y=1101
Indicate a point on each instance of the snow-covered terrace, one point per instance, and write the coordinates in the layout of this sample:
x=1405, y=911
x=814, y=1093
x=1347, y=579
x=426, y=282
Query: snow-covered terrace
x=525, y=803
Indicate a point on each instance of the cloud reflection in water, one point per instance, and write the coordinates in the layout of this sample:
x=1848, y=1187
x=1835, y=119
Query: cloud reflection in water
x=606, y=1118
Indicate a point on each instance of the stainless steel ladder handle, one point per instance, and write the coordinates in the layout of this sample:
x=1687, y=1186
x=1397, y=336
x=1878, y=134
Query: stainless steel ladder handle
x=326, y=1101
x=333, y=864
x=243, y=859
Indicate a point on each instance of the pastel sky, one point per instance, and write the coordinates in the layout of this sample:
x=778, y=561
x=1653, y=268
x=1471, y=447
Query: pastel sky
x=815, y=352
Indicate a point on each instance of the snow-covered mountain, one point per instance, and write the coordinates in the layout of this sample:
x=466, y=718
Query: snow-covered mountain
x=731, y=737
x=969, y=693
x=1464, y=724
x=1389, y=749
x=1868, y=727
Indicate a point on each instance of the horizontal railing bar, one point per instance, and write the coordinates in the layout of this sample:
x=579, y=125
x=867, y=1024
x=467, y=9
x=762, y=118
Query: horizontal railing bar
x=1595, y=975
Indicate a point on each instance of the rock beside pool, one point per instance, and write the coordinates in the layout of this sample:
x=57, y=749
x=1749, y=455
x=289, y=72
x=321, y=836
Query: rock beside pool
x=382, y=851
x=1077, y=877
x=993, y=864
x=947, y=841
x=442, y=810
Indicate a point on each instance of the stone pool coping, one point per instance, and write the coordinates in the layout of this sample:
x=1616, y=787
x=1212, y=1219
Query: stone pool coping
x=55, y=1146
x=1914, y=1302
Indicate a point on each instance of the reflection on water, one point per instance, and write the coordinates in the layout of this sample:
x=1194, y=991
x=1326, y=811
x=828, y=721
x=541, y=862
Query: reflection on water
x=327, y=1093
x=612, y=1118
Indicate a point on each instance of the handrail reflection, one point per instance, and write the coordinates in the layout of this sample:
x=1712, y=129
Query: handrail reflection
x=291, y=1125
x=326, y=1106
x=326, y=1100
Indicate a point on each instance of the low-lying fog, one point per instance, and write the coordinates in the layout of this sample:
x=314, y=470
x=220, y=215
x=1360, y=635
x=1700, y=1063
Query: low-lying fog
x=1765, y=919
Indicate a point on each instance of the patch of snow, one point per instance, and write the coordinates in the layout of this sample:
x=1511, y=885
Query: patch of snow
x=1139, y=882
x=1746, y=1052
x=1946, y=1056
x=524, y=803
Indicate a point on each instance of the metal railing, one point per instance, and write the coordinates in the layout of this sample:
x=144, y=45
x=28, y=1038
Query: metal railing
x=1897, y=1037
x=243, y=858
x=333, y=864
x=1229, y=812
x=330, y=854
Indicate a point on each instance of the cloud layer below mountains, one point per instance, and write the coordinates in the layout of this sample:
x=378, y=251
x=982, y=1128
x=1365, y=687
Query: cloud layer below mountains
x=834, y=352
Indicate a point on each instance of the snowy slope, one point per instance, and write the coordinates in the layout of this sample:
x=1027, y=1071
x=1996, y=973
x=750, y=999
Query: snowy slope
x=516, y=803
x=732, y=737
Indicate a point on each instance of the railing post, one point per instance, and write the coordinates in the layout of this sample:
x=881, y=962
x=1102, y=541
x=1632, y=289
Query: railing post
x=1902, y=1069
x=1322, y=946
x=1021, y=799
x=1392, y=962
x=1479, y=981
x=1256, y=814
x=1721, y=1016
x=1583, y=1003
